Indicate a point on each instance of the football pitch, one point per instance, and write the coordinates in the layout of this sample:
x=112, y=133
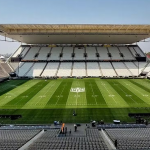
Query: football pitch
x=43, y=101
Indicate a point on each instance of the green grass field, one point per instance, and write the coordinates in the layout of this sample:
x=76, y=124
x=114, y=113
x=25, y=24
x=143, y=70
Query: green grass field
x=43, y=101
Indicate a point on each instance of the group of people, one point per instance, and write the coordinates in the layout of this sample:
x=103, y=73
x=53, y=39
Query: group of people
x=64, y=131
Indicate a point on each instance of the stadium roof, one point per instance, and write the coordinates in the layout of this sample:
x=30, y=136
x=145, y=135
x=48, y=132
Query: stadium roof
x=75, y=33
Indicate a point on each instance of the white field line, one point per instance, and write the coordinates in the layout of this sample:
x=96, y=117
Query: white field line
x=145, y=84
x=11, y=94
x=77, y=84
x=3, y=87
x=10, y=91
x=26, y=95
x=126, y=93
x=102, y=93
x=60, y=94
x=8, y=94
x=102, y=83
x=135, y=89
x=93, y=93
x=77, y=93
x=77, y=98
x=46, y=92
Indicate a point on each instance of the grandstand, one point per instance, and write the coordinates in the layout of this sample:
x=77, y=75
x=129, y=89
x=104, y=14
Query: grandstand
x=75, y=74
x=5, y=70
x=33, y=139
x=68, y=61
x=110, y=57
x=130, y=138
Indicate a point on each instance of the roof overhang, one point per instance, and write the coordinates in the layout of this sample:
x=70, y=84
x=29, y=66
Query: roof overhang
x=75, y=33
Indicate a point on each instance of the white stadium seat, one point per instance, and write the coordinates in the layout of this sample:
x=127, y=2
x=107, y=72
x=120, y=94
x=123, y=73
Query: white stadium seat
x=79, y=54
x=25, y=50
x=79, y=69
x=67, y=53
x=126, y=53
x=114, y=53
x=21, y=51
x=141, y=66
x=43, y=53
x=36, y=70
x=18, y=51
x=55, y=53
x=60, y=68
x=137, y=49
x=50, y=70
x=133, y=51
x=107, y=69
x=103, y=53
x=24, y=68
x=91, y=53
x=64, y=69
x=133, y=68
x=31, y=54
x=93, y=69
x=147, y=69
x=121, y=69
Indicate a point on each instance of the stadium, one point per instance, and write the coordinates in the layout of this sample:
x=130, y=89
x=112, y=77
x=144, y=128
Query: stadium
x=76, y=74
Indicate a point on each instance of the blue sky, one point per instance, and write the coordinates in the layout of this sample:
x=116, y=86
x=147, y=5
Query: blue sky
x=73, y=12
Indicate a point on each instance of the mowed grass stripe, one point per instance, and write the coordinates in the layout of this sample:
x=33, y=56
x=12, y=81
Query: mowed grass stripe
x=4, y=88
x=138, y=91
x=141, y=85
x=84, y=115
x=145, y=82
x=112, y=98
x=126, y=94
x=43, y=96
x=23, y=98
x=61, y=94
x=77, y=98
x=7, y=84
x=93, y=94
x=134, y=96
x=14, y=93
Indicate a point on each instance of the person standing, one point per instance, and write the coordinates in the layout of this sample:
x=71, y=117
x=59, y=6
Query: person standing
x=75, y=127
x=65, y=131
x=116, y=143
